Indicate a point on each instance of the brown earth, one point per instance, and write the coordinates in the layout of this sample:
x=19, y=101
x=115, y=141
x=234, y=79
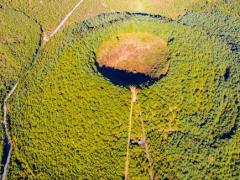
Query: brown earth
x=135, y=52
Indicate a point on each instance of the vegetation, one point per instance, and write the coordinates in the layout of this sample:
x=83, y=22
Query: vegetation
x=223, y=27
x=192, y=117
x=227, y=7
x=17, y=47
x=68, y=120
x=50, y=13
x=136, y=53
x=90, y=122
x=107, y=108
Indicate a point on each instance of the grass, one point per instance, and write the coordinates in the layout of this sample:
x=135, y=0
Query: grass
x=135, y=52
x=50, y=13
x=17, y=45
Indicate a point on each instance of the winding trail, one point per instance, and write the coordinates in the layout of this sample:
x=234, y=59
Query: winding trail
x=5, y=110
x=133, y=100
x=5, y=128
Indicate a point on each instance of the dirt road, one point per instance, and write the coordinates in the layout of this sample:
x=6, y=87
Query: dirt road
x=63, y=21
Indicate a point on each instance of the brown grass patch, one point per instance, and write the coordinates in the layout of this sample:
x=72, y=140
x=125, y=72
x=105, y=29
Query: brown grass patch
x=135, y=52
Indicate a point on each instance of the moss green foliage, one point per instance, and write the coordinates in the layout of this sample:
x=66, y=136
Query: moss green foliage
x=227, y=7
x=70, y=121
x=192, y=115
x=226, y=28
x=79, y=128
x=169, y=8
x=17, y=44
x=138, y=165
x=19, y=39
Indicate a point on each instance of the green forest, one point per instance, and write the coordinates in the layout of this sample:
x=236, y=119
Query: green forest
x=17, y=49
x=68, y=121
x=189, y=115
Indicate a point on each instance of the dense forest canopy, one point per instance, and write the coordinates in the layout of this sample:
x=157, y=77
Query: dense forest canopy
x=17, y=49
x=68, y=119
x=194, y=109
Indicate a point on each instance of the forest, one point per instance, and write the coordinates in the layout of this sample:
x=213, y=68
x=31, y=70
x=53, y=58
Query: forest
x=70, y=120
x=66, y=119
x=17, y=48
x=49, y=13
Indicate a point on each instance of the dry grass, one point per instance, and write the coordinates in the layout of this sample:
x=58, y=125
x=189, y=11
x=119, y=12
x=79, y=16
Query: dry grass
x=168, y=8
x=50, y=13
x=135, y=52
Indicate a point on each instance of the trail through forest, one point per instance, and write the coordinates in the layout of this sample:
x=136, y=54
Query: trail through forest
x=5, y=111
x=147, y=152
x=133, y=100
x=63, y=21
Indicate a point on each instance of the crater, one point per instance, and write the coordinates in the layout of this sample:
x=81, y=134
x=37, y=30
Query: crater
x=133, y=58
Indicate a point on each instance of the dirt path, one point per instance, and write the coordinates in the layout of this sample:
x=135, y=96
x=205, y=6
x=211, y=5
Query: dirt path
x=134, y=94
x=150, y=167
x=63, y=21
x=133, y=100
x=148, y=156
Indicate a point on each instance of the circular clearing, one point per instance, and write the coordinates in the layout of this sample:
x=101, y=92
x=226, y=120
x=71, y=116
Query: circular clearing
x=136, y=52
